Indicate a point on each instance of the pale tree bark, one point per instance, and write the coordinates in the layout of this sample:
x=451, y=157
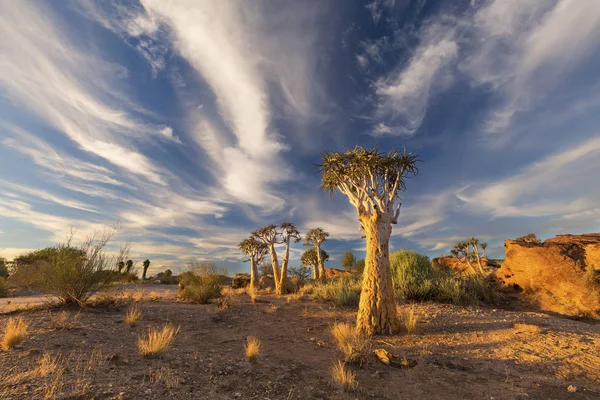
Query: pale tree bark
x=284, y=268
x=322, y=275
x=476, y=249
x=253, y=272
x=316, y=272
x=275, y=265
x=377, y=312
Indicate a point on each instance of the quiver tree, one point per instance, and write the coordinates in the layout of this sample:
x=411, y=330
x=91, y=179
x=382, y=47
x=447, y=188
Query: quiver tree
x=289, y=232
x=315, y=237
x=256, y=252
x=269, y=235
x=146, y=265
x=309, y=259
x=468, y=252
x=128, y=266
x=372, y=182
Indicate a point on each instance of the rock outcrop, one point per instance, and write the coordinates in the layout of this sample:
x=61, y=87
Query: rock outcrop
x=454, y=265
x=336, y=273
x=555, y=274
x=240, y=280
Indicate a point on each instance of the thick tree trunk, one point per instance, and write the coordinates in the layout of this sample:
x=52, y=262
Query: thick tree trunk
x=316, y=274
x=320, y=261
x=377, y=309
x=275, y=264
x=284, y=268
x=253, y=273
x=144, y=273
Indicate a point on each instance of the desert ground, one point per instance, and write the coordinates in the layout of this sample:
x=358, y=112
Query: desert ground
x=456, y=352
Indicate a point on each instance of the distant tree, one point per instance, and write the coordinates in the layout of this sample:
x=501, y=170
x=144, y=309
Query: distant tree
x=372, y=182
x=529, y=238
x=289, y=233
x=309, y=259
x=468, y=252
x=128, y=266
x=348, y=261
x=301, y=272
x=120, y=266
x=256, y=252
x=360, y=265
x=264, y=268
x=315, y=237
x=146, y=265
x=269, y=235
x=3, y=268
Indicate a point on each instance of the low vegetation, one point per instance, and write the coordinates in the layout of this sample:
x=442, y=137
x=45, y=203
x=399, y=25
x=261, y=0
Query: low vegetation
x=156, y=341
x=252, y=348
x=133, y=315
x=415, y=279
x=3, y=288
x=63, y=320
x=355, y=346
x=344, y=377
x=201, y=283
x=343, y=292
x=14, y=334
x=409, y=319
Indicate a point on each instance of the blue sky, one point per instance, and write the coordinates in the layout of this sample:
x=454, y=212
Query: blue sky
x=194, y=122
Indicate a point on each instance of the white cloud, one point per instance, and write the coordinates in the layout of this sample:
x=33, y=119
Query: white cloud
x=557, y=185
x=403, y=96
x=72, y=90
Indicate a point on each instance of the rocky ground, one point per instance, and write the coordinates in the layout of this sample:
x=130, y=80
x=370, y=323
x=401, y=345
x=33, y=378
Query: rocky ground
x=460, y=353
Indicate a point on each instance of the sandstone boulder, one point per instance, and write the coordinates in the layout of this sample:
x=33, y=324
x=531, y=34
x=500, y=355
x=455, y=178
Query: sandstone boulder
x=553, y=274
x=454, y=265
x=336, y=273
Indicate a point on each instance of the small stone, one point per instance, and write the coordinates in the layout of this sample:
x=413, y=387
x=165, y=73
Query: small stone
x=572, y=389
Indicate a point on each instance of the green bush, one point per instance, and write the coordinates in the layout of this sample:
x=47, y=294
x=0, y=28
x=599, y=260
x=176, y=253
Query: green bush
x=3, y=287
x=201, y=283
x=343, y=291
x=3, y=268
x=74, y=274
x=415, y=279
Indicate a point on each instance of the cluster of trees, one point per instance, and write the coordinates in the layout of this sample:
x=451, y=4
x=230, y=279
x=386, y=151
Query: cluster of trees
x=127, y=267
x=262, y=242
x=350, y=263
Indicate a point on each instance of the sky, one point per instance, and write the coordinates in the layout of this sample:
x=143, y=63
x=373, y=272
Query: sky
x=190, y=123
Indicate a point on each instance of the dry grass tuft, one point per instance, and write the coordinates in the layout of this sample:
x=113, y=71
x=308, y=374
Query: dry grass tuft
x=63, y=321
x=409, y=319
x=252, y=292
x=133, y=315
x=355, y=346
x=165, y=375
x=529, y=328
x=137, y=295
x=345, y=378
x=157, y=341
x=15, y=332
x=252, y=348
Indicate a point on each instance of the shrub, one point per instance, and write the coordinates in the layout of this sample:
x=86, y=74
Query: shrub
x=201, y=283
x=355, y=346
x=343, y=291
x=15, y=332
x=252, y=348
x=342, y=376
x=415, y=279
x=74, y=274
x=3, y=268
x=3, y=288
x=157, y=341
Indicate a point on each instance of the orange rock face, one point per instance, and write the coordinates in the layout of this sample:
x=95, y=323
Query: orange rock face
x=336, y=273
x=453, y=264
x=552, y=274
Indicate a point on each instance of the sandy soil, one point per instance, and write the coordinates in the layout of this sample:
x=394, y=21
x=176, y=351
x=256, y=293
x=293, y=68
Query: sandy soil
x=460, y=353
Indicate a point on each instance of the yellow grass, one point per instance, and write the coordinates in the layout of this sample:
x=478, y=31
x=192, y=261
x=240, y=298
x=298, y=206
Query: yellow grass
x=344, y=377
x=251, y=291
x=252, y=348
x=165, y=375
x=15, y=332
x=63, y=320
x=138, y=295
x=529, y=328
x=409, y=319
x=157, y=341
x=354, y=346
x=133, y=315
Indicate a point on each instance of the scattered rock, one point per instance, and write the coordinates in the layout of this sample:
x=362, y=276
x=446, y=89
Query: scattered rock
x=572, y=389
x=387, y=358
